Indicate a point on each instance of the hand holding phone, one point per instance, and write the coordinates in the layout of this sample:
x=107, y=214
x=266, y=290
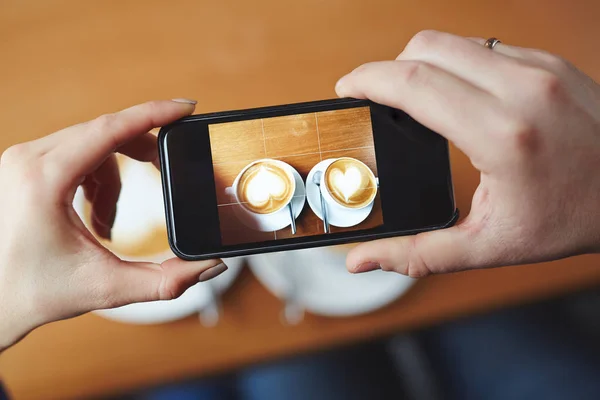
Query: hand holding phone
x=529, y=122
x=301, y=175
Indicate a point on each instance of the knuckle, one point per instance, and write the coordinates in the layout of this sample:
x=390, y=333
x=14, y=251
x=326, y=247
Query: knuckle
x=102, y=123
x=522, y=137
x=419, y=43
x=105, y=291
x=548, y=86
x=416, y=72
x=424, y=39
x=153, y=106
x=169, y=288
x=416, y=266
x=361, y=69
x=554, y=62
x=427, y=41
x=148, y=109
x=30, y=181
x=14, y=153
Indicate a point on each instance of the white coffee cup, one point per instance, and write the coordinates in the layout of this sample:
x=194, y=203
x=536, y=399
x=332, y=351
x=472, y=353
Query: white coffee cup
x=332, y=203
x=265, y=222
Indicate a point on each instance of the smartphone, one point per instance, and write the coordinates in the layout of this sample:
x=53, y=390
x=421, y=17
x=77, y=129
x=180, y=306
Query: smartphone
x=301, y=175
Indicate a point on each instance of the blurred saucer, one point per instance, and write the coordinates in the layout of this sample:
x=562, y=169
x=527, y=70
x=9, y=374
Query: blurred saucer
x=139, y=234
x=139, y=231
x=335, y=216
x=324, y=285
x=194, y=299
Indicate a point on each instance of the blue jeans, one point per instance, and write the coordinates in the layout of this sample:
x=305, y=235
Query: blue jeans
x=531, y=352
x=534, y=352
x=359, y=373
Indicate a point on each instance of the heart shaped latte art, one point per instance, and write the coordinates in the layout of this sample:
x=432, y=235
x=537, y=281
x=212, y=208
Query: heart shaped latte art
x=347, y=182
x=265, y=185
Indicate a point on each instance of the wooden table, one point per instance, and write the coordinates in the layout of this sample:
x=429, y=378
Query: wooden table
x=315, y=137
x=66, y=61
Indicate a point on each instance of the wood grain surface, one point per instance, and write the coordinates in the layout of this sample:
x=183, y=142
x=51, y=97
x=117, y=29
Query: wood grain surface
x=302, y=141
x=67, y=61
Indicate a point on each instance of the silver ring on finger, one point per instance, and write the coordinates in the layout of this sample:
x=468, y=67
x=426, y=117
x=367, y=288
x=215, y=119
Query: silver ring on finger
x=491, y=43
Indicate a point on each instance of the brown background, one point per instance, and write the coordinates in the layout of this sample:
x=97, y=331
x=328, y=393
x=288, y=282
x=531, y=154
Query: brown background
x=66, y=61
x=301, y=140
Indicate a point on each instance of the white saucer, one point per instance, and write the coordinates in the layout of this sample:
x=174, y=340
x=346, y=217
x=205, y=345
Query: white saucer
x=193, y=300
x=277, y=220
x=140, y=209
x=335, y=217
x=324, y=285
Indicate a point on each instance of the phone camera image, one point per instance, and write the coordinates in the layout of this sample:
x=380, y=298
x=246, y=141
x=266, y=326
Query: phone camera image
x=301, y=175
x=296, y=175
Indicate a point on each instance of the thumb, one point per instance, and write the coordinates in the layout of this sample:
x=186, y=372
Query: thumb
x=133, y=282
x=446, y=250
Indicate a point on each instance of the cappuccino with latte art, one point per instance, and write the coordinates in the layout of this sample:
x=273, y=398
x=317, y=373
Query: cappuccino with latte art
x=350, y=183
x=265, y=187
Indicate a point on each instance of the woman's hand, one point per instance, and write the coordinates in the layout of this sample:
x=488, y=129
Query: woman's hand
x=529, y=122
x=51, y=266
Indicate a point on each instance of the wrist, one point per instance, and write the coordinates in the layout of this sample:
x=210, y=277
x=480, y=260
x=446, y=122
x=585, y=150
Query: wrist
x=8, y=334
x=14, y=324
x=12, y=331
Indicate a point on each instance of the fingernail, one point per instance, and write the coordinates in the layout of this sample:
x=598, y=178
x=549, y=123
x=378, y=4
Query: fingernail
x=212, y=272
x=185, y=101
x=366, y=267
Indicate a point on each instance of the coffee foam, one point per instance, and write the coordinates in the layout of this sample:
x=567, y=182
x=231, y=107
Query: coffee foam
x=350, y=183
x=265, y=187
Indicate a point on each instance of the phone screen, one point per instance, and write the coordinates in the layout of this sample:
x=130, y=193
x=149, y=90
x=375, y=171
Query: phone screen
x=301, y=175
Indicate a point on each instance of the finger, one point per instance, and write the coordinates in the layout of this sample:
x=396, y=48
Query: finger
x=106, y=196
x=521, y=53
x=442, y=251
x=534, y=57
x=576, y=80
x=80, y=152
x=138, y=282
x=156, y=163
x=437, y=99
x=462, y=57
x=89, y=188
x=143, y=148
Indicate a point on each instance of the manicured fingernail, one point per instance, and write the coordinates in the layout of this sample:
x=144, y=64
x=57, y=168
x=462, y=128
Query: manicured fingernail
x=367, y=266
x=185, y=101
x=212, y=272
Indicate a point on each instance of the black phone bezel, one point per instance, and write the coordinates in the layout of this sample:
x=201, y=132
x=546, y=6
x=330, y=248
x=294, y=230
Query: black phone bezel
x=323, y=241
